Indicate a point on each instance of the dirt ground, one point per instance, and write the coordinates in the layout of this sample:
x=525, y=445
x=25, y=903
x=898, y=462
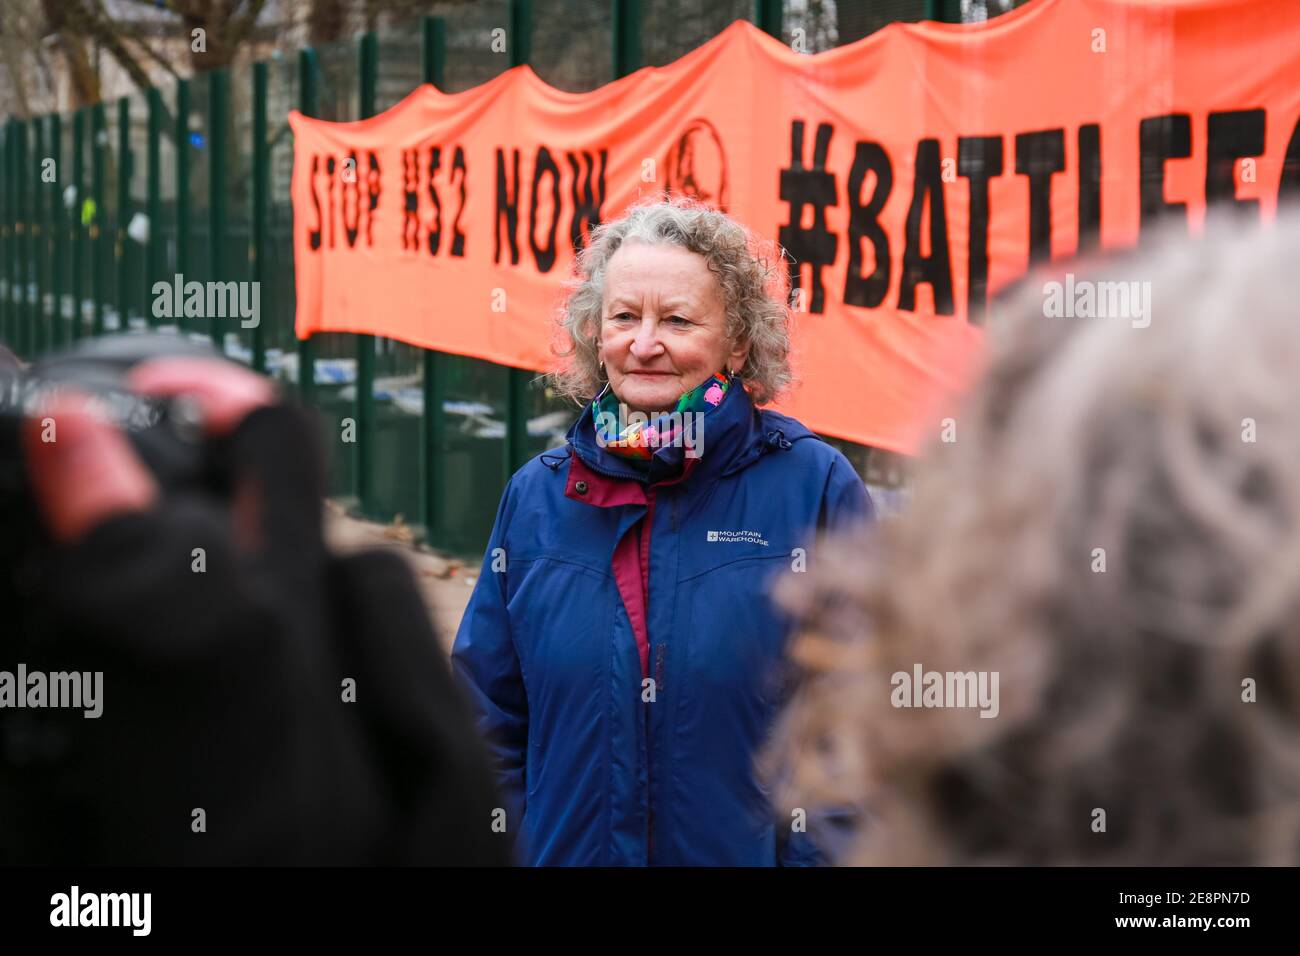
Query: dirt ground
x=445, y=582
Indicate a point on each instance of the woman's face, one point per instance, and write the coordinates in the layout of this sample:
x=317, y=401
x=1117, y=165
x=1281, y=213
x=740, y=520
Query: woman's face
x=661, y=329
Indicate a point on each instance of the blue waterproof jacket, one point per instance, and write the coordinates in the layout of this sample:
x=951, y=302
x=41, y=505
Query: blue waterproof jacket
x=607, y=755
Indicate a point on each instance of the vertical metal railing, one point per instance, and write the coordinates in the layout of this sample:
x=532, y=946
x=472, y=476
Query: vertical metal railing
x=625, y=34
x=32, y=185
x=9, y=310
x=153, y=199
x=48, y=186
x=25, y=166
x=768, y=17
x=364, y=446
x=14, y=165
x=946, y=11
x=58, y=261
x=18, y=296
x=16, y=293
x=519, y=44
x=182, y=132
x=217, y=120
x=76, y=231
x=121, y=241
x=37, y=186
x=307, y=105
x=7, y=280
x=11, y=233
x=98, y=245
x=261, y=186
x=433, y=55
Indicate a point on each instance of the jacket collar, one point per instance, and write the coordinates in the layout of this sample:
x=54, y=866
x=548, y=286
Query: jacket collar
x=733, y=435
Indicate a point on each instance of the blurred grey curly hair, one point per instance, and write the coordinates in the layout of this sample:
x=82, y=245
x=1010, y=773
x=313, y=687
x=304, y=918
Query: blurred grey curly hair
x=752, y=279
x=1176, y=449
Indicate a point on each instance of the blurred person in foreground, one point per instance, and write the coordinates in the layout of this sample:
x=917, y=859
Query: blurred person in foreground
x=1115, y=531
x=263, y=700
x=623, y=655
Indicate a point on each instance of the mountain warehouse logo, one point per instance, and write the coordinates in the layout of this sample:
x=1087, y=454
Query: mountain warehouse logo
x=742, y=537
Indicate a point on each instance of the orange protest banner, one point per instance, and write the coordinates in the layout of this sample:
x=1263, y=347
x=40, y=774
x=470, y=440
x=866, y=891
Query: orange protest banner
x=909, y=176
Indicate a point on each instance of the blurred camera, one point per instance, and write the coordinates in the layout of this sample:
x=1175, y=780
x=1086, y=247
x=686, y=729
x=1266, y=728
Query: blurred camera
x=166, y=433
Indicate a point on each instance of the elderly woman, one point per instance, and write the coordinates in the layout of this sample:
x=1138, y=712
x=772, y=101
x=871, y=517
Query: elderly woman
x=620, y=647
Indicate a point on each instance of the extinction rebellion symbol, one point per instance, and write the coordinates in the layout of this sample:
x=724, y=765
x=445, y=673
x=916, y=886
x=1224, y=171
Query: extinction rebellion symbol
x=696, y=165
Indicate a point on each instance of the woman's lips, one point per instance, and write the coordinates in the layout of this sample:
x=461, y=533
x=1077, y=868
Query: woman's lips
x=659, y=374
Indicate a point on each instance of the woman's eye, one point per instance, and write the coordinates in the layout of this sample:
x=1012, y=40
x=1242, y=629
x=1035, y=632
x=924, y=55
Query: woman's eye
x=621, y=317
x=678, y=320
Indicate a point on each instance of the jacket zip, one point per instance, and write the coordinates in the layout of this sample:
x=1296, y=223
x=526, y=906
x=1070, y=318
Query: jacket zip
x=650, y=791
x=644, y=536
x=658, y=667
x=659, y=678
x=658, y=661
x=649, y=747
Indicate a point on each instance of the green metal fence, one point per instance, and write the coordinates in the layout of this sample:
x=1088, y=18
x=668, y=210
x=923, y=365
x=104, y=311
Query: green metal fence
x=205, y=164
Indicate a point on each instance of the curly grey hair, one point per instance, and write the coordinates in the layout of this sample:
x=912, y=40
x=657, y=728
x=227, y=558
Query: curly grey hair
x=1171, y=452
x=752, y=280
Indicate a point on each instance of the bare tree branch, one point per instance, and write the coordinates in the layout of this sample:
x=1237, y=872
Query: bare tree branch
x=240, y=27
x=85, y=21
x=81, y=75
x=325, y=21
x=155, y=56
x=172, y=6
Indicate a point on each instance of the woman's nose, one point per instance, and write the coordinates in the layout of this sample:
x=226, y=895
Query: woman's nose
x=646, y=345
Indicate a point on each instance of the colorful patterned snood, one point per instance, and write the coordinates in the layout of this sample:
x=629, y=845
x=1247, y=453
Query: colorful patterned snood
x=641, y=439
